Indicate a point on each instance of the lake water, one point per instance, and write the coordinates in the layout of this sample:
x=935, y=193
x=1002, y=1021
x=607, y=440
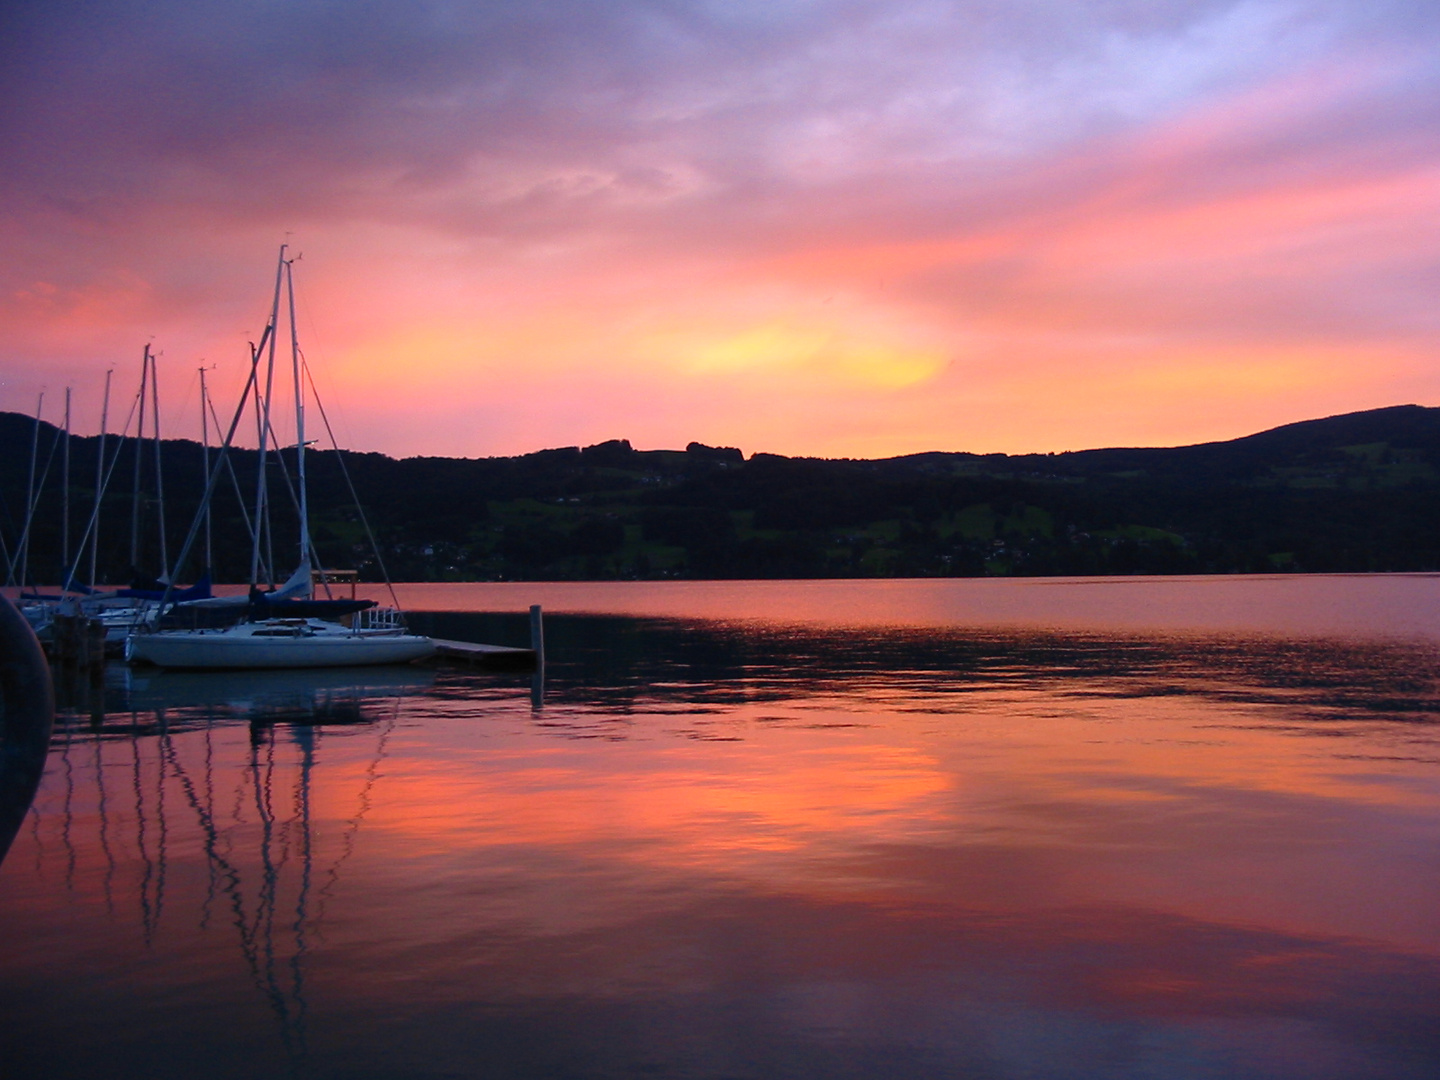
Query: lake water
x=1159, y=828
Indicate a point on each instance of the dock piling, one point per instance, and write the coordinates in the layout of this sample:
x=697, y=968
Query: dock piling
x=537, y=636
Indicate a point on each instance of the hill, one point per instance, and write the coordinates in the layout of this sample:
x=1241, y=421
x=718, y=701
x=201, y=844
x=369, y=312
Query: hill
x=1358, y=492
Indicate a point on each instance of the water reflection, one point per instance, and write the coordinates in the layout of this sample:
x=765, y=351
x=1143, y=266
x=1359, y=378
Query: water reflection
x=322, y=696
x=1291, y=604
x=747, y=851
x=229, y=792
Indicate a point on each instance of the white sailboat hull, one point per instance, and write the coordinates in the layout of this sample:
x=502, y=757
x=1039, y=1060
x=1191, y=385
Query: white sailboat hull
x=271, y=645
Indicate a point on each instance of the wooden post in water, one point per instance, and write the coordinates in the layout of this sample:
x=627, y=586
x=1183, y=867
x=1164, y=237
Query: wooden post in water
x=77, y=645
x=95, y=651
x=537, y=646
x=537, y=636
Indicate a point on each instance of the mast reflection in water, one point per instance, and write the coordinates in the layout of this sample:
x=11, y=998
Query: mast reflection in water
x=747, y=849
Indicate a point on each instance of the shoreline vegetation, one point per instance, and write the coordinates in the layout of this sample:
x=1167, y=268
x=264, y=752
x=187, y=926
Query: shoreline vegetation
x=1353, y=493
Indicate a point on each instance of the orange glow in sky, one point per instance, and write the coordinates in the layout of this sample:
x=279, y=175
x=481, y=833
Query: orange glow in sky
x=839, y=230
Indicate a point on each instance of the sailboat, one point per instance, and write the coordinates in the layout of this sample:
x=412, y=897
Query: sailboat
x=119, y=611
x=279, y=643
x=278, y=630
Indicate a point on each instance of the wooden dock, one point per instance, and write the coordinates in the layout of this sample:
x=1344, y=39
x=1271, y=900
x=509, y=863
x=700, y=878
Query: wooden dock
x=472, y=652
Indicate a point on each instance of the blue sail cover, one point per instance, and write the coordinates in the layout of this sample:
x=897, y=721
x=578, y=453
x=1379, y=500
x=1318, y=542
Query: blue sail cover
x=150, y=589
x=294, y=599
x=262, y=607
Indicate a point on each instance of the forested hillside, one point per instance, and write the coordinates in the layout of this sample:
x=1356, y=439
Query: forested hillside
x=1359, y=492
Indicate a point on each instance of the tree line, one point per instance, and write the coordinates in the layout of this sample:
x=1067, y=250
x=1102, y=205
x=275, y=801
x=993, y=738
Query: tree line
x=1343, y=494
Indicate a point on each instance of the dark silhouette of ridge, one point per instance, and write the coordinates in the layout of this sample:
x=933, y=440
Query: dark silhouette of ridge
x=1354, y=492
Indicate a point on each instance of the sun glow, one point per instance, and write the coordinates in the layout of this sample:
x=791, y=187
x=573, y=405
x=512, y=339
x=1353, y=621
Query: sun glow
x=806, y=352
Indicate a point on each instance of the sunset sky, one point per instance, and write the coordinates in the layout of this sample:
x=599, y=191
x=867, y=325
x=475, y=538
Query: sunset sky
x=830, y=227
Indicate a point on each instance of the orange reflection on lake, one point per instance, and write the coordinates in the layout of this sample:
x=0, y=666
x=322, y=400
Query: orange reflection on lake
x=751, y=849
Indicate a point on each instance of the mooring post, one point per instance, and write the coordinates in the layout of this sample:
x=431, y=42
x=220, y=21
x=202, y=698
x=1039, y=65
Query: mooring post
x=537, y=645
x=95, y=631
x=537, y=636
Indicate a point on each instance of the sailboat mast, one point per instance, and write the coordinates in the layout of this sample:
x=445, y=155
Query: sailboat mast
x=99, y=479
x=255, y=353
x=263, y=419
x=135, y=479
x=30, y=493
x=159, y=478
x=65, y=499
x=299, y=419
x=205, y=451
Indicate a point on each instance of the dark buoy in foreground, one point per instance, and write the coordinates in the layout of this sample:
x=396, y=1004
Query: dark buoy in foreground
x=27, y=711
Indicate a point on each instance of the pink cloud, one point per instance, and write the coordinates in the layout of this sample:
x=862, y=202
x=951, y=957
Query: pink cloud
x=846, y=230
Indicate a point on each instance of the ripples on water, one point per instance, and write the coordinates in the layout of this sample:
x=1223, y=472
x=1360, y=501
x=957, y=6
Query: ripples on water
x=745, y=849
